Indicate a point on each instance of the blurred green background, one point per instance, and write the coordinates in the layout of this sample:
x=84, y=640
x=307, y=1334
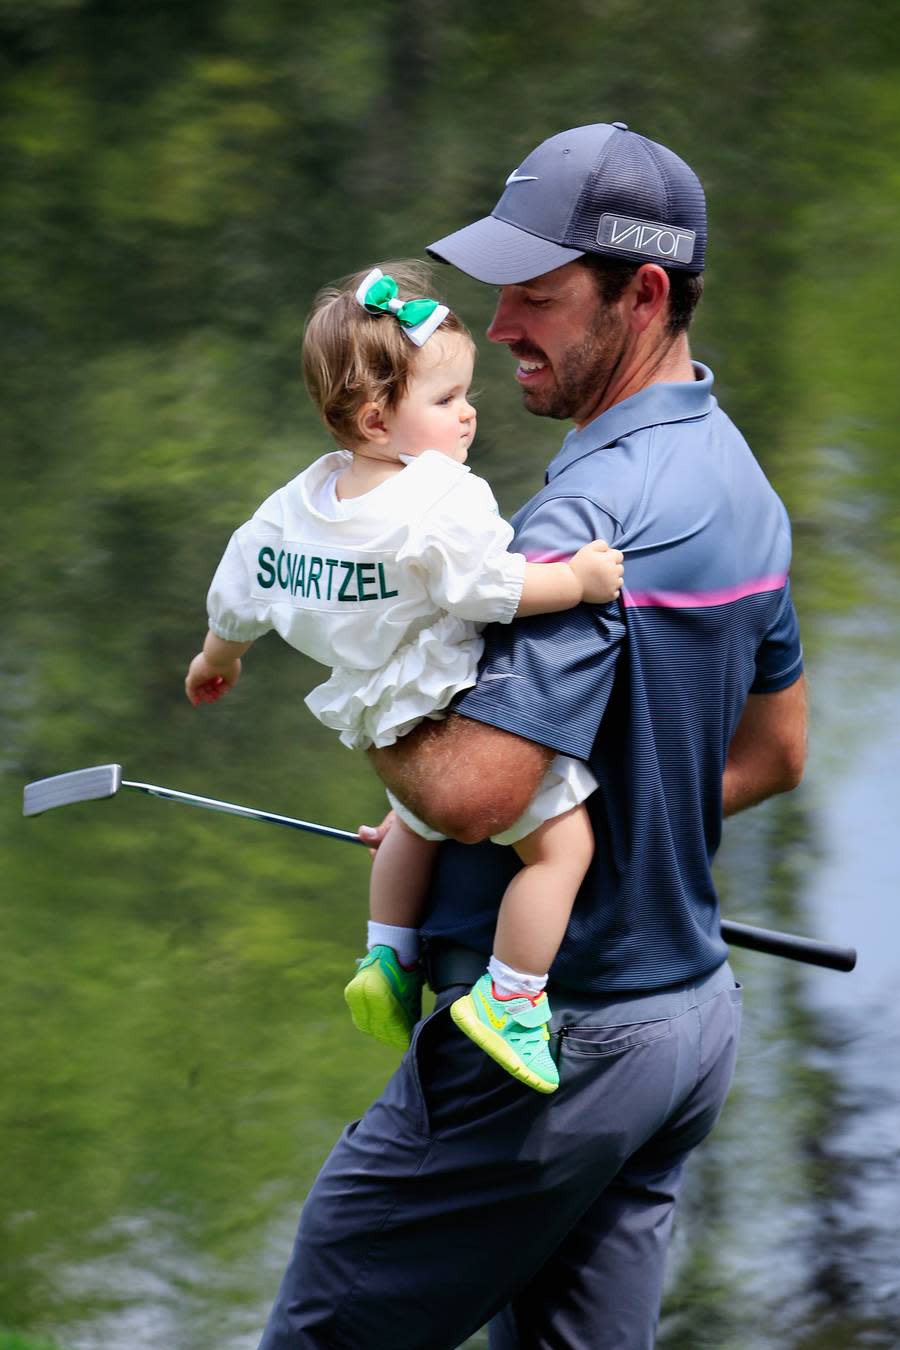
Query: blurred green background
x=178, y=180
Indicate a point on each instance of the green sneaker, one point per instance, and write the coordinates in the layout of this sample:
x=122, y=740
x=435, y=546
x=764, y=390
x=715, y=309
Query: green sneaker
x=384, y=998
x=513, y=1031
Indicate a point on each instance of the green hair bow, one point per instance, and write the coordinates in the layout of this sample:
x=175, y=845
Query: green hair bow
x=377, y=293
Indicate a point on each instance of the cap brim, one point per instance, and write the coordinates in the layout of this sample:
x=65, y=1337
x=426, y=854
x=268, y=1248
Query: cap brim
x=491, y=250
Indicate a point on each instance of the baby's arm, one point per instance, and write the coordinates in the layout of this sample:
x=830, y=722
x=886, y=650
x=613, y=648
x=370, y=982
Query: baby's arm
x=593, y=574
x=214, y=670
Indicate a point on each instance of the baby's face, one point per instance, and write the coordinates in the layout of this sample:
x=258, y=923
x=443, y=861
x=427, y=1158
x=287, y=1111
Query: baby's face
x=435, y=412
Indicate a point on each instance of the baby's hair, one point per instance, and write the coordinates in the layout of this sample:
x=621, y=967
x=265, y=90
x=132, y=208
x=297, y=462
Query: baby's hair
x=351, y=357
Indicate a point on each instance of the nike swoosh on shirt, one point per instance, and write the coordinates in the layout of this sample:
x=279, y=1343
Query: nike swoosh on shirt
x=521, y=178
x=501, y=676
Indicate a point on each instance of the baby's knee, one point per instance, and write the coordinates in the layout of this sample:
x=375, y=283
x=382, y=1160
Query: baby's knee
x=566, y=841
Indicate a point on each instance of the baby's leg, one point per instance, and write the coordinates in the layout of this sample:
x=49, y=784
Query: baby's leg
x=507, y=1011
x=538, y=901
x=400, y=876
x=385, y=994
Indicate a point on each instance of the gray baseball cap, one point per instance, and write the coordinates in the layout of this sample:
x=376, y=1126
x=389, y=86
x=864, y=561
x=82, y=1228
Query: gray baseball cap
x=595, y=189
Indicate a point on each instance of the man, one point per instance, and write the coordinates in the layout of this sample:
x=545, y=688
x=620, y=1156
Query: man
x=461, y=1196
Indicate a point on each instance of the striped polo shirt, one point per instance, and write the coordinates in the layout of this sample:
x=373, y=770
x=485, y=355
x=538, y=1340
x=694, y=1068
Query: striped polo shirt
x=648, y=690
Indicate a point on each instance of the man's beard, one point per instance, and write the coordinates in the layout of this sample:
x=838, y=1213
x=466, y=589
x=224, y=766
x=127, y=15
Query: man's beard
x=582, y=374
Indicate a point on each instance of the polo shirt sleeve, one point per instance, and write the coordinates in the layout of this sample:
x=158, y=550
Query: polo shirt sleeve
x=779, y=658
x=548, y=678
x=234, y=614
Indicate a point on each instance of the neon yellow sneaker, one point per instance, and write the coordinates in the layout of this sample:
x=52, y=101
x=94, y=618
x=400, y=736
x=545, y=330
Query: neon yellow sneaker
x=384, y=998
x=512, y=1030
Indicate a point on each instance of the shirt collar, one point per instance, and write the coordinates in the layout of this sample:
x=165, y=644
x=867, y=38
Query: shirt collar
x=650, y=407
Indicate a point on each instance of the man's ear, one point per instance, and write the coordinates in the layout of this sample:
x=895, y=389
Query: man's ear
x=371, y=424
x=646, y=296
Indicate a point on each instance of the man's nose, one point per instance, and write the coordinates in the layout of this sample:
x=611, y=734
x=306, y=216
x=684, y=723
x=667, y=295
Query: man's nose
x=505, y=326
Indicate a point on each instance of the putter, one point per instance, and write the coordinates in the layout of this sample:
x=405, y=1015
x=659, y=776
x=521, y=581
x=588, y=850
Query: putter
x=105, y=780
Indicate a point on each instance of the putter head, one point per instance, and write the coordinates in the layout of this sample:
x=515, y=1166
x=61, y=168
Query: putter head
x=84, y=785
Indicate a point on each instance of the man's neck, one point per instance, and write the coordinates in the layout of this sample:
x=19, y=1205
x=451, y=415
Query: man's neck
x=658, y=363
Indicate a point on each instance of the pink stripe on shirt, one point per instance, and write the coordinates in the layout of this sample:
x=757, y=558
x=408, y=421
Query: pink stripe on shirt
x=726, y=595
x=548, y=557
x=661, y=599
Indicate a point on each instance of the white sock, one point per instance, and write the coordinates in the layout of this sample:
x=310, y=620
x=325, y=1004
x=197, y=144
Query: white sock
x=405, y=941
x=508, y=981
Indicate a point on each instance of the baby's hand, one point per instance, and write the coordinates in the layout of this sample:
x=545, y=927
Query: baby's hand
x=205, y=683
x=599, y=569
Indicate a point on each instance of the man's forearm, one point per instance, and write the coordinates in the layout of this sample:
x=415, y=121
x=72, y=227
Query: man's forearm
x=464, y=778
x=742, y=787
x=768, y=750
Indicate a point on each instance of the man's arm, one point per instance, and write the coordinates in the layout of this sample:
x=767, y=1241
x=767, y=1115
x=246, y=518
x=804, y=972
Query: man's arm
x=768, y=750
x=465, y=778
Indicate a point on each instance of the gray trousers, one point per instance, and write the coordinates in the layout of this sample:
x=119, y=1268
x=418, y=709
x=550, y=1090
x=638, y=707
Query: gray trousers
x=463, y=1198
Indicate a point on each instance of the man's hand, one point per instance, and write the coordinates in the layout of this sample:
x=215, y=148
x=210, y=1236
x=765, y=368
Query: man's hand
x=374, y=835
x=768, y=750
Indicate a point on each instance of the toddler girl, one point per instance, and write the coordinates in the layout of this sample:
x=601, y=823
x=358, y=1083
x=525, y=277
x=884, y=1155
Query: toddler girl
x=382, y=560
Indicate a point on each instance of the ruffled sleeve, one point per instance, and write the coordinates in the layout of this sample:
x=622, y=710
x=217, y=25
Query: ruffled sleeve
x=460, y=548
x=234, y=614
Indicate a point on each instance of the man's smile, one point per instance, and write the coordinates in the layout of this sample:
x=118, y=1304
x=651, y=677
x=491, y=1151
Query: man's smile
x=531, y=363
x=526, y=371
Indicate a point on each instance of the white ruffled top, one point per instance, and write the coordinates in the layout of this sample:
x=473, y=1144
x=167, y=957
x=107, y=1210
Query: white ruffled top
x=389, y=589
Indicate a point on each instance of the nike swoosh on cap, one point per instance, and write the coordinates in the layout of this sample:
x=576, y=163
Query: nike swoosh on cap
x=521, y=178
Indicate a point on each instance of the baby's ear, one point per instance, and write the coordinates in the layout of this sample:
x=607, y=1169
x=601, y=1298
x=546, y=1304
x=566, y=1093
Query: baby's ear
x=371, y=424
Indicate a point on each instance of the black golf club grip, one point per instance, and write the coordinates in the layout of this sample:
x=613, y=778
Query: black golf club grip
x=785, y=944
